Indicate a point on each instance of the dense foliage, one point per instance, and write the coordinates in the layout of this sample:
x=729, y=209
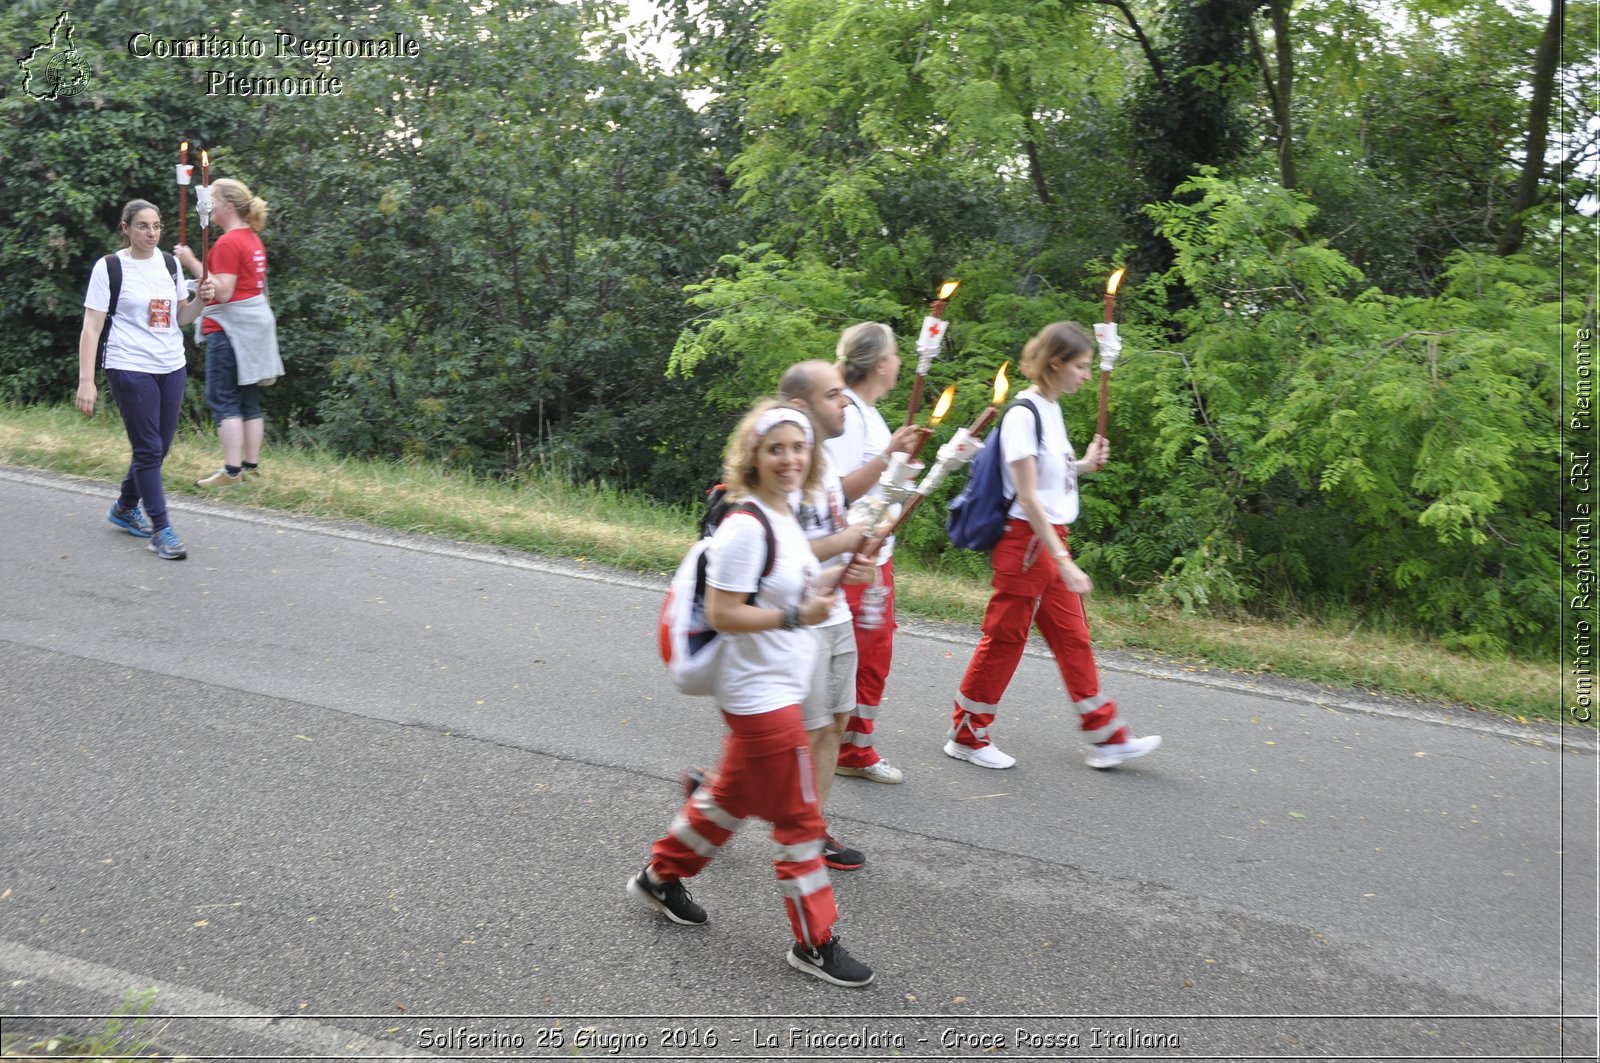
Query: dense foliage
x=536, y=242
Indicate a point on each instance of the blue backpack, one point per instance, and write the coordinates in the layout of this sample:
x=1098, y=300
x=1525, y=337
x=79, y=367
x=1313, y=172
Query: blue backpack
x=979, y=513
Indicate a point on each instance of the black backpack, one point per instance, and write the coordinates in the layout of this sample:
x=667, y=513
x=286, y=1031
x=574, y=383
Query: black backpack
x=114, y=282
x=690, y=647
x=718, y=507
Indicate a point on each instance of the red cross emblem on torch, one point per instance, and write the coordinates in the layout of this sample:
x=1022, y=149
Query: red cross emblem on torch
x=928, y=343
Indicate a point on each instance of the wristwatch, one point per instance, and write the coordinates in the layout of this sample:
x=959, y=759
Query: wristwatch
x=791, y=617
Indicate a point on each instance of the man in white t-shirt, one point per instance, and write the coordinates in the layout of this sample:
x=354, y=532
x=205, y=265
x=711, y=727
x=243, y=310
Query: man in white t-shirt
x=816, y=387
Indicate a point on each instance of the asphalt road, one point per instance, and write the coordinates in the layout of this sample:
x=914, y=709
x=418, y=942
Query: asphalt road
x=348, y=794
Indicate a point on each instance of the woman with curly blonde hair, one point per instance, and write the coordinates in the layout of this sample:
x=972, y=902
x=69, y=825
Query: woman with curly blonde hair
x=761, y=591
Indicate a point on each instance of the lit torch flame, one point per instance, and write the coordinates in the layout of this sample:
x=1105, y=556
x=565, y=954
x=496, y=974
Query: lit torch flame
x=942, y=407
x=184, y=147
x=1116, y=279
x=948, y=290
x=1001, y=384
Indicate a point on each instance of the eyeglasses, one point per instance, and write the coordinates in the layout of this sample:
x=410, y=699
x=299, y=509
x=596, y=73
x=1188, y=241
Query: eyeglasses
x=146, y=228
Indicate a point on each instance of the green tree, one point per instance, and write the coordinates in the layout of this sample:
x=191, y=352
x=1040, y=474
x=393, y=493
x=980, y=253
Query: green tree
x=1529, y=185
x=1187, y=109
x=496, y=279
x=1346, y=443
x=71, y=163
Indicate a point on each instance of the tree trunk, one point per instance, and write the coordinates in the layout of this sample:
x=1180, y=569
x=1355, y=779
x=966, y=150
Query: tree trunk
x=1544, y=78
x=1279, y=83
x=1145, y=45
x=1036, y=173
x=1284, y=96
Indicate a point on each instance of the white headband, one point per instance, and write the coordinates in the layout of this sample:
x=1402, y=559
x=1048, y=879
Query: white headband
x=784, y=415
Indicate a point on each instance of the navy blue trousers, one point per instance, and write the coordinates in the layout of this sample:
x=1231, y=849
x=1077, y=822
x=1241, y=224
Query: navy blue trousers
x=150, y=404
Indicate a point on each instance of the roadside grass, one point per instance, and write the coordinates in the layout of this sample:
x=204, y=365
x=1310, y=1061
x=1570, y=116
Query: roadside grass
x=125, y=1036
x=541, y=514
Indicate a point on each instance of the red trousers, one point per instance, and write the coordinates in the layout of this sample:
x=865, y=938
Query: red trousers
x=765, y=772
x=1028, y=591
x=874, y=652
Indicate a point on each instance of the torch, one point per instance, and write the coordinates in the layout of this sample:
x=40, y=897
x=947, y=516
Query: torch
x=185, y=172
x=940, y=408
x=1001, y=386
x=202, y=203
x=928, y=343
x=962, y=448
x=1105, y=335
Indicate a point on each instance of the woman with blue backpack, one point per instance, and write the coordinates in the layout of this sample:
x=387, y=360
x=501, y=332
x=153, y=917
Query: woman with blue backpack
x=1035, y=579
x=761, y=592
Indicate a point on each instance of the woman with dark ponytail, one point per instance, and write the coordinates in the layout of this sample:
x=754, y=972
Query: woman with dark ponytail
x=133, y=311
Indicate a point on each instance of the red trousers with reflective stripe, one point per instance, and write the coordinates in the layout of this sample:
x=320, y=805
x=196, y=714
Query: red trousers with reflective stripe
x=1028, y=591
x=765, y=772
x=874, y=653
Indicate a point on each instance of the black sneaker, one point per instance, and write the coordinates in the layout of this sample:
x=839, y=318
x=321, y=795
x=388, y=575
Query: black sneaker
x=831, y=963
x=841, y=857
x=693, y=779
x=670, y=898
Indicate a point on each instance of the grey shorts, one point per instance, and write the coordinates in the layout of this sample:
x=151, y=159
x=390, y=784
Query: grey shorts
x=833, y=680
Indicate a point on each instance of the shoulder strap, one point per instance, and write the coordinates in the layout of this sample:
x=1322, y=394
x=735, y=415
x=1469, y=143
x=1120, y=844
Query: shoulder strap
x=1038, y=420
x=113, y=282
x=766, y=526
x=172, y=267
x=114, y=285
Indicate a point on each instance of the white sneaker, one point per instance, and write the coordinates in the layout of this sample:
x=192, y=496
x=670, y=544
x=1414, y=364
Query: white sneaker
x=1111, y=754
x=881, y=771
x=986, y=757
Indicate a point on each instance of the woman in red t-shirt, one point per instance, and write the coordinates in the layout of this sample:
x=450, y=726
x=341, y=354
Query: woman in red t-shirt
x=237, y=265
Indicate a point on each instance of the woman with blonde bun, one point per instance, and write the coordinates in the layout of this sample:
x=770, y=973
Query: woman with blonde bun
x=240, y=333
x=869, y=360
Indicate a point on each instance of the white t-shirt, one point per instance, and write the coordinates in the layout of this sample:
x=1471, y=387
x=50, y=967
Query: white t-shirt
x=763, y=670
x=821, y=514
x=1056, y=468
x=145, y=336
x=866, y=435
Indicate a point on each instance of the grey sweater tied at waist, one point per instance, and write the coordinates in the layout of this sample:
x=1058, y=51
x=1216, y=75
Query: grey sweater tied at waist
x=253, y=331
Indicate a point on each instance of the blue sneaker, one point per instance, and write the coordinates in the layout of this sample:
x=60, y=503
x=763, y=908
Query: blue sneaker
x=167, y=545
x=131, y=520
